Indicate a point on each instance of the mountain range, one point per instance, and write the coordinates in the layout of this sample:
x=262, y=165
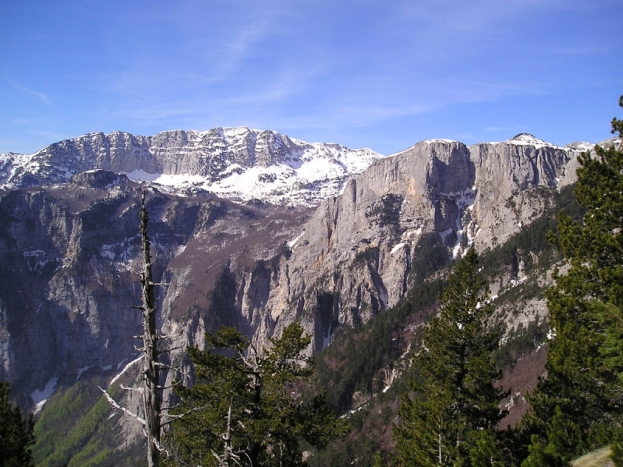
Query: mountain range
x=237, y=163
x=249, y=228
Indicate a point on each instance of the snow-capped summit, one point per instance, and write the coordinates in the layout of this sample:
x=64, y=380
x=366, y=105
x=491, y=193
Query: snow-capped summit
x=237, y=163
x=580, y=146
x=528, y=140
x=438, y=140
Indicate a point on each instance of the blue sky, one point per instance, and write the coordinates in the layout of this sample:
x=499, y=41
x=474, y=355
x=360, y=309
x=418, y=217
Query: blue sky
x=363, y=73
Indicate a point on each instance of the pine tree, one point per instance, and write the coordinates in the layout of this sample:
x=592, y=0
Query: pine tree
x=575, y=406
x=16, y=433
x=486, y=451
x=455, y=402
x=243, y=408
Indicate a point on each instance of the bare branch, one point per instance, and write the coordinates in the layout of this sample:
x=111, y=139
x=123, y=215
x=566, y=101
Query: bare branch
x=252, y=366
x=114, y=403
x=141, y=390
x=167, y=387
x=157, y=444
x=164, y=365
x=173, y=418
x=172, y=348
x=253, y=348
x=173, y=368
x=170, y=408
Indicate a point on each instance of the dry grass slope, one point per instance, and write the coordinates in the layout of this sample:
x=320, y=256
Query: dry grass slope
x=599, y=458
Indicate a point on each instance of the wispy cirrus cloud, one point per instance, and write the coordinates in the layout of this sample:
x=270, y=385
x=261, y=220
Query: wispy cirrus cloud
x=30, y=92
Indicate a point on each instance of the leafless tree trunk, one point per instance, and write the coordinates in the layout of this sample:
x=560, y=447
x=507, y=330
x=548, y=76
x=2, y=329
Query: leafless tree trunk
x=156, y=416
x=151, y=390
x=151, y=370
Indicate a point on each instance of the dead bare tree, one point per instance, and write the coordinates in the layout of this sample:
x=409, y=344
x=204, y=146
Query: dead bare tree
x=151, y=370
x=151, y=390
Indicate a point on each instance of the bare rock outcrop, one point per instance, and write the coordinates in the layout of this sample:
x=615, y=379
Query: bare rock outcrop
x=358, y=253
x=239, y=163
x=507, y=175
x=68, y=251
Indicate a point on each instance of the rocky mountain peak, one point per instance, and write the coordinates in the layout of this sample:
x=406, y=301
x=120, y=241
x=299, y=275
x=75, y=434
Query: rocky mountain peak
x=528, y=139
x=238, y=163
x=438, y=140
x=69, y=250
x=580, y=146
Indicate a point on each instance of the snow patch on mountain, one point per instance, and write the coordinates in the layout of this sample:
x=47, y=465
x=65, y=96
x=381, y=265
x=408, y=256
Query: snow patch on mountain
x=40, y=397
x=237, y=163
x=526, y=139
x=439, y=140
x=312, y=172
x=293, y=242
x=581, y=146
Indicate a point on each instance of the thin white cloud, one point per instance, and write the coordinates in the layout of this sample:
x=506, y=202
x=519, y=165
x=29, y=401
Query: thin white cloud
x=287, y=83
x=442, y=31
x=37, y=134
x=475, y=15
x=220, y=47
x=223, y=56
x=460, y=91
x=235, y=78
x=31, y=92
x=274, y=105
x=334, y=66
x=368, y=113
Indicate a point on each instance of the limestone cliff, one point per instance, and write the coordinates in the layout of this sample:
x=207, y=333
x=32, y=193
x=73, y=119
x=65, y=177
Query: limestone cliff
x=68, y=251
x=238, y=163
x=361, y=251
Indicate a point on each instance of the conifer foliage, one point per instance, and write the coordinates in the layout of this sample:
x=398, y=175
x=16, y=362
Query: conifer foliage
x=244, y=409
x=576, y=406
x=451, y=415
x=16, y=433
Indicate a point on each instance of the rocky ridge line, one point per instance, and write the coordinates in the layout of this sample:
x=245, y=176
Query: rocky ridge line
x=237, y=163
x=69, y=250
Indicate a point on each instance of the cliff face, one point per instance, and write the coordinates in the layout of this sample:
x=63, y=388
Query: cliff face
x=68, y=251
x=238, y=163
x=361, y=251
x=507, y=176
x=69, y=261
